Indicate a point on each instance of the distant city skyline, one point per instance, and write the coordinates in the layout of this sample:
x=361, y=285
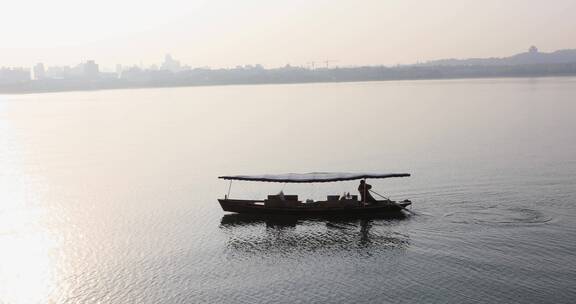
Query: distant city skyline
x=173, y=64
x=320, y=63
x=275, y=33
x=171, y=72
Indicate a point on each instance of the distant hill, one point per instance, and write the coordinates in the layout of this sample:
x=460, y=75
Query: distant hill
x=533, y=56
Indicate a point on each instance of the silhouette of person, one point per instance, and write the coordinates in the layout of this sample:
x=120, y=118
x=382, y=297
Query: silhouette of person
x=364, y=190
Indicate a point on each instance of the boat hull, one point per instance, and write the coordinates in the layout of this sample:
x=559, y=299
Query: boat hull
x=256, y=207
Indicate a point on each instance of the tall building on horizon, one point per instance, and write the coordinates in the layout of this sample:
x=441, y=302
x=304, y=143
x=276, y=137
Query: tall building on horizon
x=91, y=70
x=170, y=64
x=119, y=70
x=39, y=71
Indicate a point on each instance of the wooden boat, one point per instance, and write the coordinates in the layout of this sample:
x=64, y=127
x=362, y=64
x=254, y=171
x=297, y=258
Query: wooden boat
x=334, y=205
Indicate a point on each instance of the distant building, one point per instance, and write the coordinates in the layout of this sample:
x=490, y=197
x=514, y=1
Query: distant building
x=118, y=70
x=39, y=71
x=59, y=72
x=135, y=74
x=14, y=75
x=91, y=70
x=533, y=50
x=170, y=64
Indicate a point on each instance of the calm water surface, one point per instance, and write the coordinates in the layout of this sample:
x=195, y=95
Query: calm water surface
x=110, y=196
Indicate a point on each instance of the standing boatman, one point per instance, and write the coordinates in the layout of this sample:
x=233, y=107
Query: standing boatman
x=364, y=190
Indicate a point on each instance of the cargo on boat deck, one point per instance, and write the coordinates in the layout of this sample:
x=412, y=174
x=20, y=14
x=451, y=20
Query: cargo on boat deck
x=282, y=201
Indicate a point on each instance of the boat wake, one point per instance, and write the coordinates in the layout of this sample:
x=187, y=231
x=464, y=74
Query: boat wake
x=499, y=216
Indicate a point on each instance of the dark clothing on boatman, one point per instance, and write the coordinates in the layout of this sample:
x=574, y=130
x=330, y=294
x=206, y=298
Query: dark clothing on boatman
x=364, y=190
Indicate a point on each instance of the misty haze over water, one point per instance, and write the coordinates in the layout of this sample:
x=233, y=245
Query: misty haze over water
x=110, y=196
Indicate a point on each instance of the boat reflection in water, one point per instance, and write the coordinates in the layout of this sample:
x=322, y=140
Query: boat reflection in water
x=293, y=235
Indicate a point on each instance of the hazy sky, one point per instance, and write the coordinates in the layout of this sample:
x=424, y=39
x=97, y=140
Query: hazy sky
x=222, y=33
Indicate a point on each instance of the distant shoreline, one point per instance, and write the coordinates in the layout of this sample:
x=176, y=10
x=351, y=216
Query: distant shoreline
x=4, y=91
x=87, y=77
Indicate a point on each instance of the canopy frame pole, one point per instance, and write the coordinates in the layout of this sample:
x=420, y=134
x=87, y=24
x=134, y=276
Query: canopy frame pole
x=229, y=187
x=364, y=194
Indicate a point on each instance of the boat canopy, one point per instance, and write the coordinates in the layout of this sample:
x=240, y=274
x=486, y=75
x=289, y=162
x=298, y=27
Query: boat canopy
x=314, y=177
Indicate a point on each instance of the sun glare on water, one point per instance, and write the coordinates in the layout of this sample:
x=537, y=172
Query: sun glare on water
x=27, y=261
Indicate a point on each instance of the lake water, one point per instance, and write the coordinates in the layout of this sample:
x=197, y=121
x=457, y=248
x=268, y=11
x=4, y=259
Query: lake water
x=110, y=196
